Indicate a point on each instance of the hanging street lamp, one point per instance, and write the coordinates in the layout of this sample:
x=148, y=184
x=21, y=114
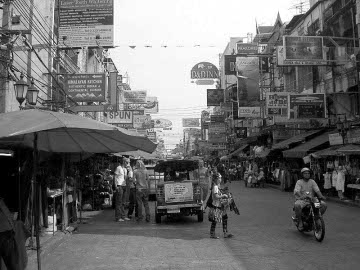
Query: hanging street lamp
x=32, y=94
x=21, y=88
x=343, y=127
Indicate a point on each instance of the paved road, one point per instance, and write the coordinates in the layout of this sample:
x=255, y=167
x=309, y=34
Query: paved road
x=264, y=239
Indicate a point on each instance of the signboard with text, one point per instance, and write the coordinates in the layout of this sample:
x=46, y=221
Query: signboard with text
x=307, y=106
x=85, y=87
x=134, y=96
x=277, y=103
x=241, y=132
x=204, y=70
x=191, y=122
x=246, y=48
x=142, y=121
x=120, y=117
x=230, y=64
x=248, y=80
x=86, y=23
x=249, y=112
x=215, y=97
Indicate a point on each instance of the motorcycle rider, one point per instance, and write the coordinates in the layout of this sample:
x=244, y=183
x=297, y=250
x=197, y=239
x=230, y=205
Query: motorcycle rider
x=301, y=188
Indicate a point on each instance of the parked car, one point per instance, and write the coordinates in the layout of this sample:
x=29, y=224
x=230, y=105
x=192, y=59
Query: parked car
x=179, y=192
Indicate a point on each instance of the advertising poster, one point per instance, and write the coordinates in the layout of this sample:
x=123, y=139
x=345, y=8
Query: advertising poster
x=134, y=96
x=151, y=106
x=277, y=103
x=141, y=121
x=205, y=116
x=85, y=87
x=191, y=122
x=162, y=123
x=217, y=128
x=303, y=50
x=230, y=64
x=86, y=23
x=215, y=97
x=249, y=112
x=248, y=81
x=226, y=107
x=307, y=106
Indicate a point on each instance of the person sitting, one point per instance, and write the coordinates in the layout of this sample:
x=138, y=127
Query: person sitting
x=300, y=192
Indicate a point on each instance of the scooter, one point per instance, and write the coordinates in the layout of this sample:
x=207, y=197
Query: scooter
x=312, y=218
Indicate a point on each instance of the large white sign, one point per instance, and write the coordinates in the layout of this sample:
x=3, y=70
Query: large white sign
x=249, y=112
x=141, y=121
x=178, y=192
x=120, y=117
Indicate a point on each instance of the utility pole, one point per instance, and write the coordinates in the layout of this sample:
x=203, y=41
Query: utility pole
x=4, y=58
x=357, y=56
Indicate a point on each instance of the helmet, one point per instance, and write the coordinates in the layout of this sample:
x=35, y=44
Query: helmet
x=305, y=170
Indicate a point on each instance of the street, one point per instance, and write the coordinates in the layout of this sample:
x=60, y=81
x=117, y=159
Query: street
x=265, y=238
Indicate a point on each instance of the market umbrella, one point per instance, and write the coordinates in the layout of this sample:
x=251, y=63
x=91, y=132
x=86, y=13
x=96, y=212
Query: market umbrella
x=63, y=133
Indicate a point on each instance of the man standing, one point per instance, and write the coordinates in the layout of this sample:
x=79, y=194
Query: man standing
x=8, y=247
x=142, y=190
x=120, y=193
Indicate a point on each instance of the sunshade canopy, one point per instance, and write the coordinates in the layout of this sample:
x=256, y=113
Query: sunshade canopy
x=177, y=165
x=67, y=133
x=138, y=154
x=331, y=151
x=295, y=139
x=350, y=149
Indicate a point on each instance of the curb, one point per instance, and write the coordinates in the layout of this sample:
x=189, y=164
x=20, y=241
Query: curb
x=330, y=199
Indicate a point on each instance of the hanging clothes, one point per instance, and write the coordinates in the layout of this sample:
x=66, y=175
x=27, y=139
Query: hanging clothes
x=340, y=183
x=327, y=180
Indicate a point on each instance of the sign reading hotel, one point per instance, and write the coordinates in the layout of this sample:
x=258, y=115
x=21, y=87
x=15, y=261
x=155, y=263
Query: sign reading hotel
x=85, y=87
x=204, y=70
x=301, y=51
x=120, y=117
x=307, y=106
x=134, y=96
x=86, y=23
x=277, y=103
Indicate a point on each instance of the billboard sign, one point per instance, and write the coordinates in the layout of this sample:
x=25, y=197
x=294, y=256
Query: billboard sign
x=246, y=48
x=248, y=80
x=217, y=118
x=215, y=97
x=277, y=103
x=142, y=121
x=204, y=70
x=120, y=117
x=191, y=122
x=241, y=132
x=85, y=87
x=217, y=128
x=226, y=106
x=134, y=96
x=162, y=123
x=230, y=64
x=151, y=106
x=86, y=23
x=302, y=51
x=307, y=106
x=249, y=112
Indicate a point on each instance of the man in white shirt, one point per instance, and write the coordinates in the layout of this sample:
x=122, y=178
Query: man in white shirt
x=120, y=192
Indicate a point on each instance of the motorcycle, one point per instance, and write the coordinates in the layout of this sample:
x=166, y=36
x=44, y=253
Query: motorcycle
x=312, y=218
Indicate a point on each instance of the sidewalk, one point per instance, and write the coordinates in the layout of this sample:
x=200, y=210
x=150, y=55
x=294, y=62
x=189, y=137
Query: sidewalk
x=331, y=199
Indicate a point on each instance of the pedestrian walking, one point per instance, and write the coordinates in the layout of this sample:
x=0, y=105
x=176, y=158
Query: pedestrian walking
x=142, y=190
x=120, y=192
x=218, y=208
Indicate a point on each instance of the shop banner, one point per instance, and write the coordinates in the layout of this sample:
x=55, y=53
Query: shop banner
x=307, y=106
x=85, y=87
x=134, y=96
x=230, y=64
x=86, y=23
x=191, y=122
x=217, y=128
x=241, y=132
x=217, y=118
x=215, y=97
x=205, y=116
x=302, y=51
x=120, y=117
x=162, y=123
x=248, y=80
x=249, y=112
x=151, y=106
x=277, y=103
x=247, y=48
x=204, y=70
x=151, y=134
x=142, y=121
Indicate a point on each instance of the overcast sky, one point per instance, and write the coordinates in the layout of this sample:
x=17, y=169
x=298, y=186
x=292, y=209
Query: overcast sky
x=208, y=24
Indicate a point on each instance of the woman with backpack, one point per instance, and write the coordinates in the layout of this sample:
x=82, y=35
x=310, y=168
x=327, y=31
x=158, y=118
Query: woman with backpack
x=218, y=204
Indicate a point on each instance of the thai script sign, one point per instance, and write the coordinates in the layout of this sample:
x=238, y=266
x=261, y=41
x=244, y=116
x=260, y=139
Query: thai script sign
x=120, y=117
x=248, y=80
x=86, y=23
x=307, y=106
x=134, y=96
x=215, y=97
x=217, y=118
x=204, y=70
x=217, y=128
x=178, y=192
x=249, y=112
x=277, y=103
x=191, y=122
x=85, y=87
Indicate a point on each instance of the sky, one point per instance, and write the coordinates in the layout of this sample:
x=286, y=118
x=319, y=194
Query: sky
x=180, y=25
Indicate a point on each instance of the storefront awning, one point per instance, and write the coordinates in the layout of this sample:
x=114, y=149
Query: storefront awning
x=350, y=149
x=303, y=149
x=331, y=151
x=298, y=138
x=238, y=151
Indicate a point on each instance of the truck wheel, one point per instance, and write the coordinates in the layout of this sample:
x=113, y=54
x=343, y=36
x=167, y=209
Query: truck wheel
x=157, y=218
x=200, y=216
